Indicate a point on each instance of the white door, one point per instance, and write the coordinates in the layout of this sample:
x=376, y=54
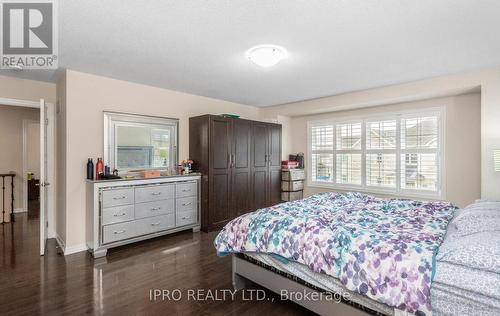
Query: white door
x=43, y=176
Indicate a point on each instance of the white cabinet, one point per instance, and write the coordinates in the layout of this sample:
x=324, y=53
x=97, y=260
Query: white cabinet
x=125, y=211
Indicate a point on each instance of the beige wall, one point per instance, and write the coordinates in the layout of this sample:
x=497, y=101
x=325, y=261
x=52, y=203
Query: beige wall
x=11, y=149
x=28, y=90
x=487, y=81
x=462, y=141
x=87, y=96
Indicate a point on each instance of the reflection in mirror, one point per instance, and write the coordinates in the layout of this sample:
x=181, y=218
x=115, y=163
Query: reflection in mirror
x=136, y=142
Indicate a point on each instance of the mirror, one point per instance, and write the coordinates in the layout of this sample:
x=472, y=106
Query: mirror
x=137, y=142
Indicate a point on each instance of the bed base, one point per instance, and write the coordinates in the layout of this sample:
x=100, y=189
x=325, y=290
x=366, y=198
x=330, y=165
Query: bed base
x=244, y=271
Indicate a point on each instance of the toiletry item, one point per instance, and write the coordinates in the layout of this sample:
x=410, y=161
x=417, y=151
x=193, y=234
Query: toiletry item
x=115, y=172
x=99, y=169
x=90, y=169
x=107, y=170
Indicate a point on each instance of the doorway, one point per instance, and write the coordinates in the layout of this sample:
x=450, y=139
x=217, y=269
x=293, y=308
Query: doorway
x=29, y=161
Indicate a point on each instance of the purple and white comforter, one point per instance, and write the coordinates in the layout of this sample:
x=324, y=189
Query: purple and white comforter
x=383, y=248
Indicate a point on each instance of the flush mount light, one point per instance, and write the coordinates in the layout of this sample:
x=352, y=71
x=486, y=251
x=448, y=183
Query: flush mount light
x=266, y=55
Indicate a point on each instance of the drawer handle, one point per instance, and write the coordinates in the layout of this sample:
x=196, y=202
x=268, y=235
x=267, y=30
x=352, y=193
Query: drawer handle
x=116, y=232
x=186, y=190
x=119, y=197
x=186, y=217
x=155, y=224
x=155, y=208
x=156, y=193
x=186, y=204
x=122, y=214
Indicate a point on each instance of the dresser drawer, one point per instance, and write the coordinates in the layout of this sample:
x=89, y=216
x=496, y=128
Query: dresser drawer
x=186, y=204
x=117, y=232
x=117, y=197
x=117, y=214
x=186, y=189
x=154, y=193
x=186, y=218
x=143, y=210
x=155, y=224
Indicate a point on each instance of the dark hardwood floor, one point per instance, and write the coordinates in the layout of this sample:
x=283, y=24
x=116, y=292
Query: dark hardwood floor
x=119, y=284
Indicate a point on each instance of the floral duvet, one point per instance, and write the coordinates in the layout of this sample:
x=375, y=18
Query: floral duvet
x=383, y=248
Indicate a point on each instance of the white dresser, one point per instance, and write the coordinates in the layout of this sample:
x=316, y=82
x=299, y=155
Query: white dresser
x=125, y=211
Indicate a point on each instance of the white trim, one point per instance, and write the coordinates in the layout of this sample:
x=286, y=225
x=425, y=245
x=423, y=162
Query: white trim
x=74, y=249
x=20, y=210
x=17, y=102
x=440, y=194
x=60, y=242
x=71, y=249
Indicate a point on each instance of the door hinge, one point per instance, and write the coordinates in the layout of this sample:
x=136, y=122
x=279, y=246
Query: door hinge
x=47, y=224
x=46, y=121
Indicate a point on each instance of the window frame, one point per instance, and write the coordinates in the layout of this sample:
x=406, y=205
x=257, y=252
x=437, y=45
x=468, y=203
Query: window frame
x=439, y=194
x=114, y=119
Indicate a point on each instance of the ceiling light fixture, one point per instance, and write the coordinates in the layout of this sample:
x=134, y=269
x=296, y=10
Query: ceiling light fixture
x=266, y=55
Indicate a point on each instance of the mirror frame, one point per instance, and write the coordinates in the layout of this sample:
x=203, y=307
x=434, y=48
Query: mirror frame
x=110, y=153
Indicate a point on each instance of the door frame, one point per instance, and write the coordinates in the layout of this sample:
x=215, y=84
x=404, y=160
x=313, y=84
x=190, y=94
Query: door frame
x=51, y=155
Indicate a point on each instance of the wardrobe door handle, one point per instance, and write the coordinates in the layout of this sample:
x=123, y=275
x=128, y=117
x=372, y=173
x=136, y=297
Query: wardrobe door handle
x=233, y=160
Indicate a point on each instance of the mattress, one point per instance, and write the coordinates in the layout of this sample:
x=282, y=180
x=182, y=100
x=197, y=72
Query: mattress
x=322, y=281
x=457, y=290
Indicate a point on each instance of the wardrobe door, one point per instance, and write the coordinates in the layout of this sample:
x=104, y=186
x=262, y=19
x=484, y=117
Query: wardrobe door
x=220, y=172
x=274, y=158
x=260, y=176
x=240, y=162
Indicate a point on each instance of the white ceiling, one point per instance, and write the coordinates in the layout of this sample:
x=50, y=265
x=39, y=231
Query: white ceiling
x=336, y=46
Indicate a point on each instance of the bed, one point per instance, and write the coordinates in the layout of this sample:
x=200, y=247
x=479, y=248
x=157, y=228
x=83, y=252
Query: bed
x=393, y=256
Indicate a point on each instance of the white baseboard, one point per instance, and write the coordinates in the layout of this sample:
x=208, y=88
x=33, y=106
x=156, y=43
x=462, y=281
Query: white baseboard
x=60, y=242
x=20, y=210
x=74, y=249
x=71, y=249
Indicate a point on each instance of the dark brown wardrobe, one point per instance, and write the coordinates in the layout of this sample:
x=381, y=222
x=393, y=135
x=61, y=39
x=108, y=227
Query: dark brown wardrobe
x=240, y=161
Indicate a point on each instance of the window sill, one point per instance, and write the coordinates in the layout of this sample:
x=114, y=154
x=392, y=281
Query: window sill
x=378, y=192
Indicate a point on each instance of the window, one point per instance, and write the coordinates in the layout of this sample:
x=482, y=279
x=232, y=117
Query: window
x=398, y=154
x=348, y=153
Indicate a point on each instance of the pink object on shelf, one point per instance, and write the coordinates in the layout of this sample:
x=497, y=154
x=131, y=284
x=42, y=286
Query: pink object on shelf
x=150, y=173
